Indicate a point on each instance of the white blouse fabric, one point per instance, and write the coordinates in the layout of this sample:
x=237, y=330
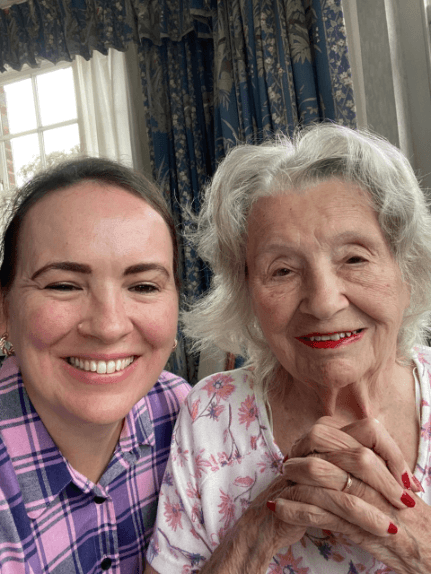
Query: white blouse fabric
x=223, y=455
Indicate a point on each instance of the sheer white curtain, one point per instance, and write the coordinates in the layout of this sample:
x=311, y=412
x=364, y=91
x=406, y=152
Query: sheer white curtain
x=105, y=106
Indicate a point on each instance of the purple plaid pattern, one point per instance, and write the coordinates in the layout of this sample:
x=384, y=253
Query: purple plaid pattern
x=52, y=519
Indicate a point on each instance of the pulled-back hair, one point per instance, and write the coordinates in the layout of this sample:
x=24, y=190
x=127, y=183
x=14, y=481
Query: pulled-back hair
x=223, y=316
x=64, y=175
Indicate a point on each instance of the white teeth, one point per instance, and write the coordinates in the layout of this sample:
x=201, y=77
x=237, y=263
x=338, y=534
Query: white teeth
x=110, y=367
x=335, y=337
x=101, y=367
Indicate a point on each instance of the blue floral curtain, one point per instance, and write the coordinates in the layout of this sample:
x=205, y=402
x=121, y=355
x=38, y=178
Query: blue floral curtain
x=213, y=72
x=279, y=63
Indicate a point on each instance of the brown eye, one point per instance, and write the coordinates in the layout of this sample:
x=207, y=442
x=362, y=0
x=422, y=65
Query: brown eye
x=355, y=259
x=282, y=272
x=62, y=287
x=144, y=288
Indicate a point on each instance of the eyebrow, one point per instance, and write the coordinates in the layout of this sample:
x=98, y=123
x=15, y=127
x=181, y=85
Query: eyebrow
x=86, y=269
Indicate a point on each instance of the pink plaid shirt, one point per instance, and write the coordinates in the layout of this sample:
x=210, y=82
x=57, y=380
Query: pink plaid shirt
x=52, y=519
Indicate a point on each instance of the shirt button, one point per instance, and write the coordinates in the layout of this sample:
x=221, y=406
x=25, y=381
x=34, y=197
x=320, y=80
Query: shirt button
x=106, y=563
x=99, y=499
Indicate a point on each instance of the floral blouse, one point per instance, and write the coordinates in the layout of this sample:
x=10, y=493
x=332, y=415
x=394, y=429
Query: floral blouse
x=223, y=455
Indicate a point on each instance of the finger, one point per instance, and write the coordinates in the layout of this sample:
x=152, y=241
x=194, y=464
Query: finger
x=370, y=469
x=346, y=506
x=326, y=436
x=313, y=516
x=373, y=435
x=322, y=438
x=331, y=470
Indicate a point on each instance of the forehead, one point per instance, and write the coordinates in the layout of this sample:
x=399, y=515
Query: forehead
x=89, y=213
x=321, y=212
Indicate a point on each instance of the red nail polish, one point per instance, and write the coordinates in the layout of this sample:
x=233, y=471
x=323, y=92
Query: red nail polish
x=406, y=480
x=392, y=528
x=271, y=505
x=286, y=458
x=418, y=484
x=407, y=500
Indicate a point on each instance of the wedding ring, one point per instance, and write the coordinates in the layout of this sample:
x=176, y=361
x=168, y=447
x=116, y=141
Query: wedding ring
x=348, y=484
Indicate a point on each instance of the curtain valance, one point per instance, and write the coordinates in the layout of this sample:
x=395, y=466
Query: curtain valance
x=58, y=30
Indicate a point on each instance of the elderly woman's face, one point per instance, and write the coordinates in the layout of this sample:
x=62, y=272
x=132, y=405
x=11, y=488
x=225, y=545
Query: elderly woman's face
x=324, y=286
x=92, y=312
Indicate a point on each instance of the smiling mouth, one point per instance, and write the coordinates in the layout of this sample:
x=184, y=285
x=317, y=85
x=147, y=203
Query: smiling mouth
x=100, y=367
x=331, y=337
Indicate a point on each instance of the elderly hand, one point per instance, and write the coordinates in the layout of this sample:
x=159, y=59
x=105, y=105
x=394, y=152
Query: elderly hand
x=376, y=503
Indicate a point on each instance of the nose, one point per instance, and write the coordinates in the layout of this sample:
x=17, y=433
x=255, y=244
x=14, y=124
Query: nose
x=105, y=318
x=323, y=293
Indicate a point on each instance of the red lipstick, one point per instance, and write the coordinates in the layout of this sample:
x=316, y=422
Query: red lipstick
x=329, y=344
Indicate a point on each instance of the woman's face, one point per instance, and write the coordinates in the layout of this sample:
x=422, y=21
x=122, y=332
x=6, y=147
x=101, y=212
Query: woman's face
x=323, y=283
x=92, y=312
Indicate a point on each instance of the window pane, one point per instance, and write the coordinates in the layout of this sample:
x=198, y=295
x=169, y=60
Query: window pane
x=64, y=140
x=56, y=96
x=26, y=157
x=21, y=115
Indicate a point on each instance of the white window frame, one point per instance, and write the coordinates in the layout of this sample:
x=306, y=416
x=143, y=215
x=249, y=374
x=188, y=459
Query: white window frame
x=12, y=76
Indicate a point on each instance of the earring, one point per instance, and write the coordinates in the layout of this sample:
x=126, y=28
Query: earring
x=175, y=344
x=6, y=346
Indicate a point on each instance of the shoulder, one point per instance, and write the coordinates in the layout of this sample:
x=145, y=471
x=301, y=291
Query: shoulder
x=224, y=385
x=422, y=355
x=169, y=389
x=9, y=372
x=164, y=400
x=216, y=399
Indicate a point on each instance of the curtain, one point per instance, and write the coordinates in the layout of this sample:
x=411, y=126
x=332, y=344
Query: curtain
x=213, y=72
x=229, y=71
x=105, y=107
x=279, y=64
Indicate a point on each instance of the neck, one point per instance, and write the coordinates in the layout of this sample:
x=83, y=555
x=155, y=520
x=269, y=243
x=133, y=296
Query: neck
x=88, y=448
x=370, y=396
x=388, y=396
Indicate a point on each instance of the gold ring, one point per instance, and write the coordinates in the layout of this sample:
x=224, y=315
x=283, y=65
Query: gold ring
x=348, y=484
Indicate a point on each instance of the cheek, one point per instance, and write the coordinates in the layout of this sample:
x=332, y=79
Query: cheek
x=158, y=323
x=43, y=325
x=272, y=308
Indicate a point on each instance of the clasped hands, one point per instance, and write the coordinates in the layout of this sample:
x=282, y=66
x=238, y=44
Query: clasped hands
x=354, y=481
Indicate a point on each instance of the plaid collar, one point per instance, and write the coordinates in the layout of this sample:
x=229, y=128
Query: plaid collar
x=42, y=471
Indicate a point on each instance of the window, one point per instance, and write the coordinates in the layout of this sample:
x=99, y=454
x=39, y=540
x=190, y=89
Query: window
x=39, y=121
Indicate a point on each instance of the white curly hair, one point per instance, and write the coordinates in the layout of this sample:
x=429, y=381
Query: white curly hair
x=223, y=316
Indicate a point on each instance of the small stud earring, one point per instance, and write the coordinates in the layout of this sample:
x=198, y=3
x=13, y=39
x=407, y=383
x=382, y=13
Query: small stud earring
x=175, y=344
x=6, y=346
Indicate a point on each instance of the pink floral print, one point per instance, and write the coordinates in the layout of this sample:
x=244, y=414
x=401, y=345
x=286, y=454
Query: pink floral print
x=223, y=455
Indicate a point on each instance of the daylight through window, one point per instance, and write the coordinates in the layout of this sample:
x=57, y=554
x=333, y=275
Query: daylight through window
x=39, y=122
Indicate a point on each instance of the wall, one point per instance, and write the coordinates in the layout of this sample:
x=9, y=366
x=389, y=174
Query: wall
x=388, y=52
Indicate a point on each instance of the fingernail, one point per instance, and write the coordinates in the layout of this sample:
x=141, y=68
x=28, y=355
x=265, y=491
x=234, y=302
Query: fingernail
x=392, y=528
x=407, y=500
x=406, y=480
x=286, y=458
x=271, y=505
x=418, y=484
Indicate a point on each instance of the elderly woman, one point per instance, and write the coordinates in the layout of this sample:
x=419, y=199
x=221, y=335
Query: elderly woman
x=314, y=457
x=89, y=288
